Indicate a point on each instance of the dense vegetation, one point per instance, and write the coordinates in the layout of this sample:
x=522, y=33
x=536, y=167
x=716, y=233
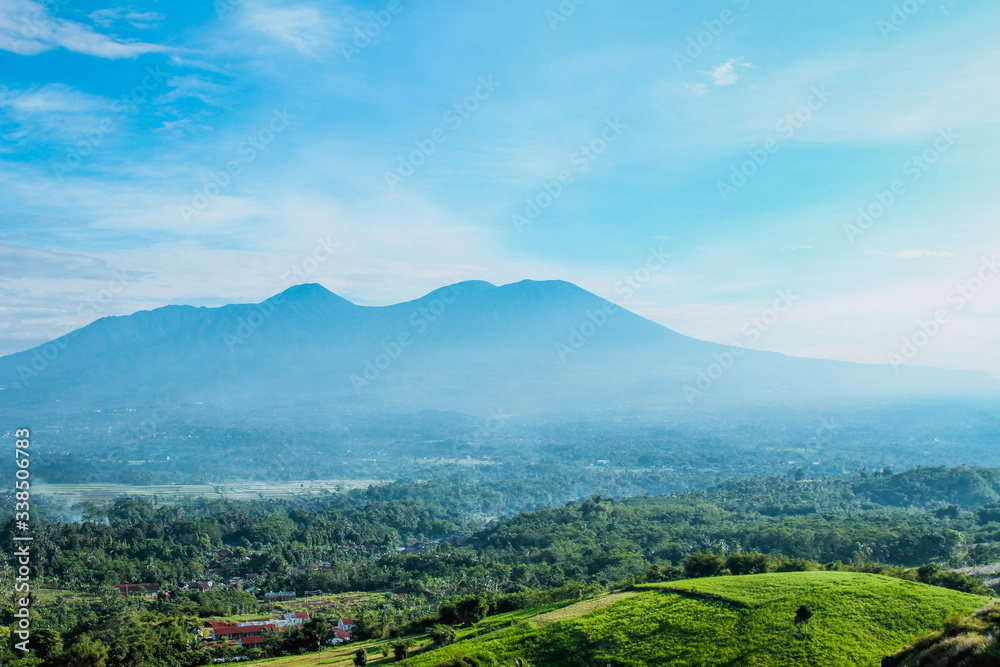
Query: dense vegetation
x=460, y=565
x=949, y=516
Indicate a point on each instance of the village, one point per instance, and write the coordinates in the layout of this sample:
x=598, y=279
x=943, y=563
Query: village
x=231, y=568
x=249, y=632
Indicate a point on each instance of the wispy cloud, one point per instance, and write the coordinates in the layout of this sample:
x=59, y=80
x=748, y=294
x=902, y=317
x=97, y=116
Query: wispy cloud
x=141, y=20
x=306, y=29
x=50, y=98
x=917, y=254
x=51, y=112
x=911, y=254
x=195, y=86
x=27, y=28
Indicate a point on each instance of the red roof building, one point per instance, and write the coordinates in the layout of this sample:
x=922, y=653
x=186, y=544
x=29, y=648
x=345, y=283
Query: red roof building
x=241, y=632
x=340, y=636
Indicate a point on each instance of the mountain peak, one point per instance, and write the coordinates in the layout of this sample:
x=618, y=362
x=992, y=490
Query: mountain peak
x=308, y=292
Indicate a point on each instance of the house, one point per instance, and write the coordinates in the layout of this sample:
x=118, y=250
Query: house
x=346, y=624
x=151, y=591
x=239, y=632
x=288, y=619
x=339, y=637
x=280, y=596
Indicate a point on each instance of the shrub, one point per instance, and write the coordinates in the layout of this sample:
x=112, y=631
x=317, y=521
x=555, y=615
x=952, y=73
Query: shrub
x=704, y=564
x=442, y=634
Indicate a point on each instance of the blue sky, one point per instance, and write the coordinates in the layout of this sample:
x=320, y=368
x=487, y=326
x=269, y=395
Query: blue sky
x=183, y=152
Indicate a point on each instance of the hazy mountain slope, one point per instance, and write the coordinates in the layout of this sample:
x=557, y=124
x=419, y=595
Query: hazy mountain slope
x=528, y=347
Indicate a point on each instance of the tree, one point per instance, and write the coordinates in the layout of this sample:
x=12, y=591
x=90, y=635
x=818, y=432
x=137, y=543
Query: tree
x=442, y=634
x=316, y=631
x=361, y=657
x=448, y=613
x=46, y=642
x=803, y=615
x=926, y=573
x=399, y=651
x=704, y=564
x=755, y=563
x=88, y=652
x=473, y=608
x=271, y=643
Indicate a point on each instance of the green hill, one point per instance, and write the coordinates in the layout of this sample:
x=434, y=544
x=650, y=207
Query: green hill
x=750, y=620
x=963, y=642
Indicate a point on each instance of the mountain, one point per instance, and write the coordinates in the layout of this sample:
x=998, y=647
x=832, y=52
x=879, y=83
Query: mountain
x=526, y=347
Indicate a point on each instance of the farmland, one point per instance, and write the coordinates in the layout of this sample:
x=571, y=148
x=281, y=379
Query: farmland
x=230, y=490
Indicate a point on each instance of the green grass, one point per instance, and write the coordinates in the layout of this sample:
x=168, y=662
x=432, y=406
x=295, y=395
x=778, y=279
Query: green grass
x=858, y=619
x=973, y=641
x=343, y=655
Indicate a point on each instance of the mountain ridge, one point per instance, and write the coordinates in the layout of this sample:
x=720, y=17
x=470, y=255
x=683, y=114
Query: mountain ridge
x=467, y=347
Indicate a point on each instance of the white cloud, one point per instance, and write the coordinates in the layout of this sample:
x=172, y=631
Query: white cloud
x=142, y=20
x=20, y=262
x=209, y=92
x=50, y=98
x=27, y=29
x=726, y=73
x=50, y=112
x=915, y=254
x=306, y=29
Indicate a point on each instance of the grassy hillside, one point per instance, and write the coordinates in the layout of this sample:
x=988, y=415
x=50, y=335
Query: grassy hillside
x=857, y=619
x=963, y=642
